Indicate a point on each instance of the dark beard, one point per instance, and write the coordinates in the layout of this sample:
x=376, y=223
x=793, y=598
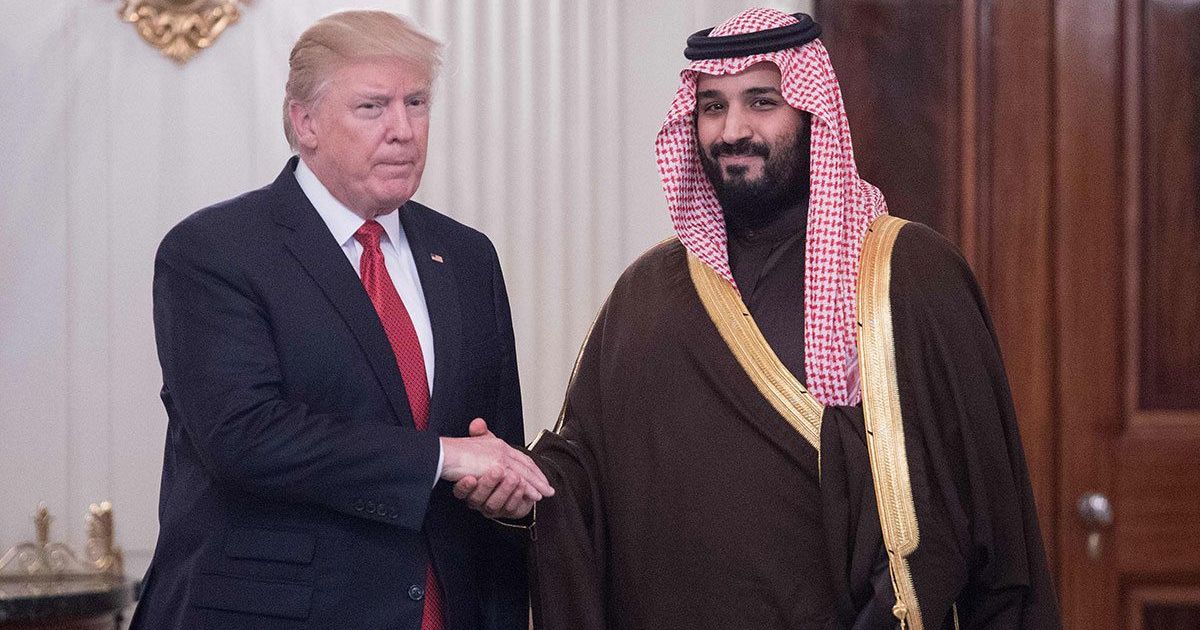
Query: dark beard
x=752, y=205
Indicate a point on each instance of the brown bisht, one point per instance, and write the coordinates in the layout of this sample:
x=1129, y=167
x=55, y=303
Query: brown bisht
x=700, y=486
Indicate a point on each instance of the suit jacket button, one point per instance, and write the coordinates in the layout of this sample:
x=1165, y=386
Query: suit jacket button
x=358, y=505
x=416, y=593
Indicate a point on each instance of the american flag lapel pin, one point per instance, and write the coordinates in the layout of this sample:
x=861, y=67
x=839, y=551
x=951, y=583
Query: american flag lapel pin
x=437, y=258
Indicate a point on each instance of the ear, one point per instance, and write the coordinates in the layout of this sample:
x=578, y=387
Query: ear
x=301, y=116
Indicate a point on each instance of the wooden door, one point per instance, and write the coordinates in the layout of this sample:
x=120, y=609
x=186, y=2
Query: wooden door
x=1059, y=144
x=1127, y=252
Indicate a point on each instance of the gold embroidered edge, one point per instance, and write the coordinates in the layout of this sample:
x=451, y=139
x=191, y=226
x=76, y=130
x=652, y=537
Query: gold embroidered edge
x=882, y=414
x=782, y=389
x=526, y=526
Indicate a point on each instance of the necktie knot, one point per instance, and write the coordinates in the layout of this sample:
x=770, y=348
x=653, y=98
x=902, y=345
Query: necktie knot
x=369, y=234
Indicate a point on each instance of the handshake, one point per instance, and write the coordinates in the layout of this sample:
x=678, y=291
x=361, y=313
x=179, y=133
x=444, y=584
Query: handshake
x=492, y=476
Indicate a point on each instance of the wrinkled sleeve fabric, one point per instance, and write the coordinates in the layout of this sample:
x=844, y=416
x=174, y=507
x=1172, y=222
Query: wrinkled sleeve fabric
x=980, y=546
x=568, y=559
x=857, y=558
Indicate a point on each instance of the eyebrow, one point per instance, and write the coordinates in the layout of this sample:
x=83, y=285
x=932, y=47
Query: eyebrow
x=373, y=95
x=375, y=92
x=759, y=91
x=754, y=91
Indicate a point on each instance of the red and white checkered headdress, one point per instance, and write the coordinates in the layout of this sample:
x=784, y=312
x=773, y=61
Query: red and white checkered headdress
x=841, y=204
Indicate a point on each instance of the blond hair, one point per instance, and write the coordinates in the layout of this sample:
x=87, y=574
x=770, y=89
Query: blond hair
x=349, y=36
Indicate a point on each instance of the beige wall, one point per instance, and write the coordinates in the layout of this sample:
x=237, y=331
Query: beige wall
x=543, y=138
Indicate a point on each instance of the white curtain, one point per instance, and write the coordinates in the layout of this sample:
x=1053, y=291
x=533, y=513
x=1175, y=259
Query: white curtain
x=544, y=121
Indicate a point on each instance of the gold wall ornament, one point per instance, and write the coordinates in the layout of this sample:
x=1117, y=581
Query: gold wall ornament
x=55, y=560
x=181, y=28
x=101, y=552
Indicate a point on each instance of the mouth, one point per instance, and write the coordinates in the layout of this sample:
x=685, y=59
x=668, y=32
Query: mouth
x=739, y=160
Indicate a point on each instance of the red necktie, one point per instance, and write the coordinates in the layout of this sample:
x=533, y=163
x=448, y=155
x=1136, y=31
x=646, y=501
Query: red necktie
x=407, y=347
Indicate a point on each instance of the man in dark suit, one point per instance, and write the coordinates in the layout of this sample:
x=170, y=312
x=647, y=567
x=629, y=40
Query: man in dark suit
x=321, y=339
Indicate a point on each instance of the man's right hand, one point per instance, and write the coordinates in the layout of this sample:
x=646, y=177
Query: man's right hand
x=503, y=482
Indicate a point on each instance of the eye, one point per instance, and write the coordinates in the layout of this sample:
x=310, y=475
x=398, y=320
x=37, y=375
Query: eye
x=418, y=104
x=712, y=107
x=764, y=103
x=368, y=109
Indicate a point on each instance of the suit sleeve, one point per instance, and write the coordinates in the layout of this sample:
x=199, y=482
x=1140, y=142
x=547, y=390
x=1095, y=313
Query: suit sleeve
x=509, y=423
x=224, y=384
x=502, y=574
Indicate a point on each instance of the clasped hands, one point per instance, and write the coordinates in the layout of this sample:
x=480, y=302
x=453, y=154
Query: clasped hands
x=490, y=475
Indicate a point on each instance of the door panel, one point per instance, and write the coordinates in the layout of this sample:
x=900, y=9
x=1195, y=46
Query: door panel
x=1163, y=609
x=1129, y=267
x=1169, y=183
x=1158, y=488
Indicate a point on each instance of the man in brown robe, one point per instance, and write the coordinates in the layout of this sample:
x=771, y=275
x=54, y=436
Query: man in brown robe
x=794, y=414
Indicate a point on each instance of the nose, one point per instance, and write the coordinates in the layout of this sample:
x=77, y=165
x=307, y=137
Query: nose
x=736, y=125
x=400, y=127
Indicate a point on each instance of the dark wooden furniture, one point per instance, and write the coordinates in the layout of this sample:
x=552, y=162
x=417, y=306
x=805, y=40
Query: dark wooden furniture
x=64, y=604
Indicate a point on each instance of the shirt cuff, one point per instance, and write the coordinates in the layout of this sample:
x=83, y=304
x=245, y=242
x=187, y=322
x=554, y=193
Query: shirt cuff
x=441, y=459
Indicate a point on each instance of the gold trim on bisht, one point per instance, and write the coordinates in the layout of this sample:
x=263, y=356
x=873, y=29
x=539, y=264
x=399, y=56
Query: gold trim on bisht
x=181, y=28
x=881, y=411
x=779, y=386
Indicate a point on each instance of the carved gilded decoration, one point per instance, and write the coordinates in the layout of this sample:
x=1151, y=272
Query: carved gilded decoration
x=53, y=560
x=181, y=28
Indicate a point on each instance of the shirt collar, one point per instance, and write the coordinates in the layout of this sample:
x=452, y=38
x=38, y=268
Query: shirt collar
x=341, y=221
x=793, y=221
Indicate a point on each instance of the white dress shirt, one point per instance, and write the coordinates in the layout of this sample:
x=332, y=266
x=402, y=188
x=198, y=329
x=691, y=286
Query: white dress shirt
x=397, y=257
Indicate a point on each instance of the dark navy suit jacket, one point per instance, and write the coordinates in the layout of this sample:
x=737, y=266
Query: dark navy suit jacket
x=296, y=492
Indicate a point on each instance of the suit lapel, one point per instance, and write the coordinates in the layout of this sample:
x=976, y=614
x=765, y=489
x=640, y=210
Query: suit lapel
x=441, y=297
x=308, y=239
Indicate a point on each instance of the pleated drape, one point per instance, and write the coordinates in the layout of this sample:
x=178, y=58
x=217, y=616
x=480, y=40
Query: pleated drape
x=542, y=137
